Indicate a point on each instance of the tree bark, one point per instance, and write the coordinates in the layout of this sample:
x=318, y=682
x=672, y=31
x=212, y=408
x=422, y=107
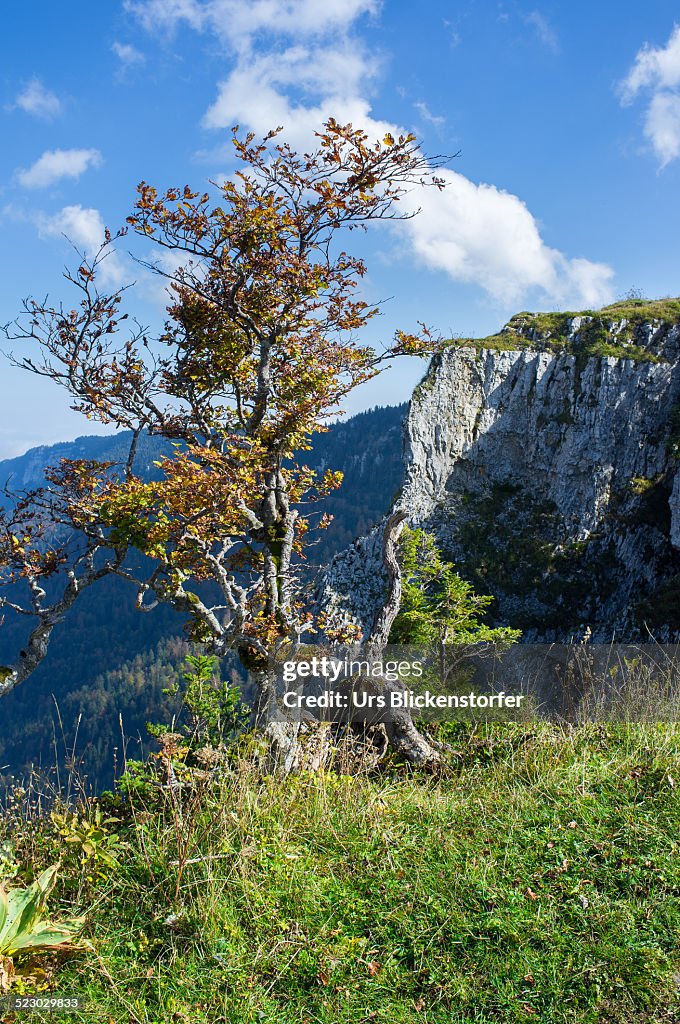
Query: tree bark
x=402, y=734
x=286, y=753
x=281, y=733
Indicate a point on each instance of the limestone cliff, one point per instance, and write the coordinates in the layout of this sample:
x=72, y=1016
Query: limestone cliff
x=546, y=461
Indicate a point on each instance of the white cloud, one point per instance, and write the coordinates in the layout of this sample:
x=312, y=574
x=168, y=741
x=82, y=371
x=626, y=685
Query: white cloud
x=299, y=88
x=654, y=67
x=544, y=30
x=428, y=116
x=662, y=125
x=483, y=235
x=324, y=70
x=155, y=14
x=37, y=100
x=128, y=55
x=84, y=228
x=473, y=233
x=656, y=71
x=56, y=164
x=295, y=62
x=236, y=22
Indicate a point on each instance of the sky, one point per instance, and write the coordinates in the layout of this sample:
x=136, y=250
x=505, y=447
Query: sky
x=562, y=122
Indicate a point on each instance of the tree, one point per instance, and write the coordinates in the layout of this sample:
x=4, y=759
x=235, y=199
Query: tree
x=257, y=352
x=437, y=605
x=439, y=609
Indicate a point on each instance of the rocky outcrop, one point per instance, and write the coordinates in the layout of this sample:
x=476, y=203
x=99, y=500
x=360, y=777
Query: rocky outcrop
x=675, y=512
x=548, y=470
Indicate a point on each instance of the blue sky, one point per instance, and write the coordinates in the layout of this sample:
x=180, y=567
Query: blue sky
x=566, y=119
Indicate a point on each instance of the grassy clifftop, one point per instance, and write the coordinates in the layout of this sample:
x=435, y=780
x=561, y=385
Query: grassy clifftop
x=631, y=329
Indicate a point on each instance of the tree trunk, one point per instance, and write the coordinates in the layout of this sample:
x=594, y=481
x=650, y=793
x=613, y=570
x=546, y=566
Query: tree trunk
x=409, y=743
x=280, y=732
x=293, y=744
x=284, y=746
x=401, y=732
x=286, y=751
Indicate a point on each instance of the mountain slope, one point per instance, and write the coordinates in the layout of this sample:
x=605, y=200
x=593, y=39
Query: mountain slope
x=103, y=649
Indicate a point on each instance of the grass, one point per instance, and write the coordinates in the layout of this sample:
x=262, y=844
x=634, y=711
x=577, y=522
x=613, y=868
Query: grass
x=538, y=880
x=550, y=331
x=645, y=310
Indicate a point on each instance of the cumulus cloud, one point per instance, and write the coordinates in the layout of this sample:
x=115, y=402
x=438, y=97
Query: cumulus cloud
x=480, y=234
x=297, y=62
x=656, y=73
x=323, y=70
x=299, y=87
x=662, y=126
x=474, y=233
x=128, y=55
x=35, y=99
x=56, y=164
x=84, y=228
x=655, y=67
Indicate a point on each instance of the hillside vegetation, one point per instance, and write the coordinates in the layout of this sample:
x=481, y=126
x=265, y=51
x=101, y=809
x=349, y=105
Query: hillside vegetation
x=538, y=879
x=104, y=676
x=617, y=330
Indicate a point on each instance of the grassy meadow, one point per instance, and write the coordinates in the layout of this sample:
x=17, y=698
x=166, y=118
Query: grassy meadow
x=536, y=878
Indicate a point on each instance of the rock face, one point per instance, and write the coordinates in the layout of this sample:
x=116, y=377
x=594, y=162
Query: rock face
x=548, y=469
x=675, y=512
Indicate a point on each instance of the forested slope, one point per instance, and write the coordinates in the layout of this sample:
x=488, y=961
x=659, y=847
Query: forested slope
x=108, y=664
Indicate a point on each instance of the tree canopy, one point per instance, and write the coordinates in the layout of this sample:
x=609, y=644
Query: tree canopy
x=437, y=605
x=257, y=351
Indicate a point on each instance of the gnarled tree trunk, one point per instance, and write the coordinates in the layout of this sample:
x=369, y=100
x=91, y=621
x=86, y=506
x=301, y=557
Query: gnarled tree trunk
x=289, y=750
x=401, y=732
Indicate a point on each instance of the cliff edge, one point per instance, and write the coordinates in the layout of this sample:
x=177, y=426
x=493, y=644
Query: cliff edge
x=546, y=460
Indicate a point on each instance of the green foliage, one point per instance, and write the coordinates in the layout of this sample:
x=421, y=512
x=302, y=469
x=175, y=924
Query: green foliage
x=90, y=842
x=8, y=863
x=551, y=331
x=217, y=714
x=640, y=485
x=138, y=780
x=437, y=605
x=641, y=310
x=23, y=928
x=537, y=880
